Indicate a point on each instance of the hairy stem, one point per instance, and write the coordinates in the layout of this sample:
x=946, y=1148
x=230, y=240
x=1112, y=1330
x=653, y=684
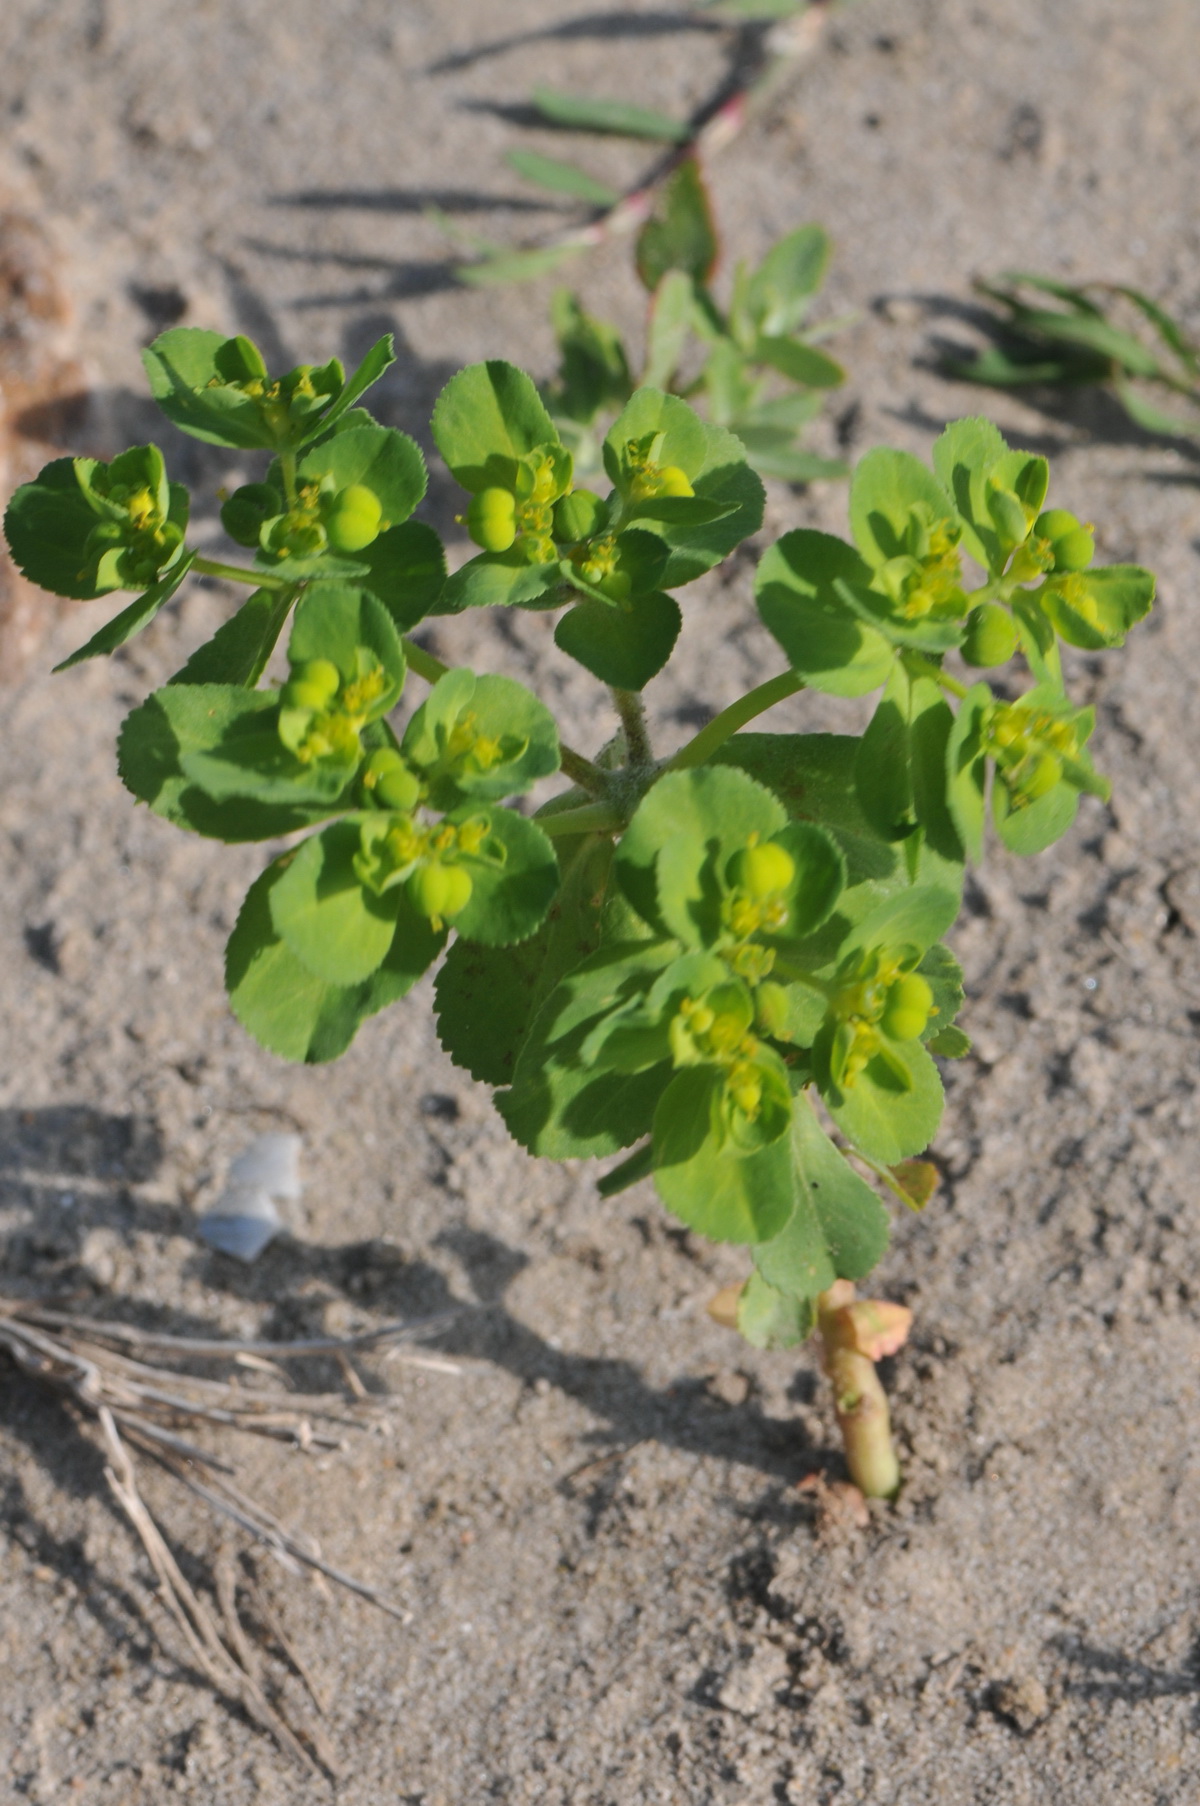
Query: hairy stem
x=719, y=729
x=238, y=573
x=581, y=771
x=633, y=719
x=858, y=1398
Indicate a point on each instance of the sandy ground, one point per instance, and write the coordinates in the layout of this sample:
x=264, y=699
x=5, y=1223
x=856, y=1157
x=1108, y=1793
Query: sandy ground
x=618, y=1593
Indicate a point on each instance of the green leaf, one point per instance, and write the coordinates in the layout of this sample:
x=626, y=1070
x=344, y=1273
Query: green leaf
x=333, y=620
x=885, y=488
x=669, y=326
x=945, y=978
x=384, y=461
x=593, y=370
x=949, y=1043
x=713, y=460
x=883, y=776
x=379, y=358
x=1034, y=826
x=884, y=1118
x=558, y=1105
x=486, y=419
x=1167, y=327
x=780, y=290
x=800, y=362
x=516, y=266
x=901, y=765
x=241, y=646
x=487, y=997
x=47, y=525
x=680, y=233
x=1153, y=419
x=631, y=1171
x=185, y=383
x=767, y=1318
x=296, y=1014
x=729, y=1196
x=335, y=927
x=495, y=709
x=406, y=569
x=496, y=580
x=1096, y=608
x=622, y=646
x=696, y=820
x=163, y=737
x=838, y=1229
x=798, y=598
x=971, y=458
x=131, y=620
x=966, y=765
x=583, y=114
x=514, y=877
x=813, y=775
x=560, y=177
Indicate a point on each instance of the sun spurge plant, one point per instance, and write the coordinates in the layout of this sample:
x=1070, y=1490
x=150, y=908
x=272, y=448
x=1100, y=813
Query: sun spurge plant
x=729, y=961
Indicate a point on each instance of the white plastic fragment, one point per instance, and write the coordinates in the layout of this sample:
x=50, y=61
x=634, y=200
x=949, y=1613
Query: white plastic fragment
x=245, y=1218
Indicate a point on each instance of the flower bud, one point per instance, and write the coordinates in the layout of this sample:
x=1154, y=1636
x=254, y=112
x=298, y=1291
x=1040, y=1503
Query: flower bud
x=1008, y=514
x=762, y=870
x=991, y=637
x=312, y=685
x=1040, y=778
x=247, y=511
x=355, y=519
x=492, y=519
x=907, y=1008
x=673, y=481
x=390, y=781
x=579, y=515
x=439, y=891
x=1073, y=544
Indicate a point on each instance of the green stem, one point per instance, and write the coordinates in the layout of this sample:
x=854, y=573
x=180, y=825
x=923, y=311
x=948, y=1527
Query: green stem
x=581, y=771
x=592, y=818
x=633, y=719
x=918, y=664
x=706, y=742
x=238, y=573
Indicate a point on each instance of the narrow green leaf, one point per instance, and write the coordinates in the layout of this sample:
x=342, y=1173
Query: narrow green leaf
x=583, y=114
x=800, y=362
x=131, y=620
x=780, y=290
x=378, y=359
x=516, y=266
x=560, y=178
x=238, y=651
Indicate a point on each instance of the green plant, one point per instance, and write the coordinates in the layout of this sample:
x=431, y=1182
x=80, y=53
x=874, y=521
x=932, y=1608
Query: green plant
x=729, y=960
x=1100, y=333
